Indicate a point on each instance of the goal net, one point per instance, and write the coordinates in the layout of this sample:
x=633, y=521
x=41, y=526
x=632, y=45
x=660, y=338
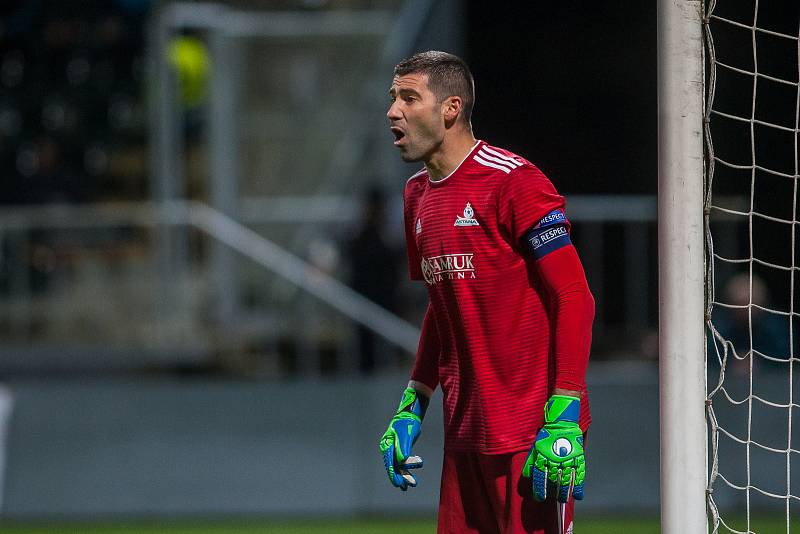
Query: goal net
x=752, y=105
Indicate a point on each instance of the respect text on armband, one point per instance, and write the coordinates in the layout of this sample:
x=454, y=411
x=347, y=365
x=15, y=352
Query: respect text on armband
x=554, y=217
x=547, y=236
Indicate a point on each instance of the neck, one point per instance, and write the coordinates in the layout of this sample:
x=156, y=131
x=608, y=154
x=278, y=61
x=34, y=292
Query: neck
x=450, y=154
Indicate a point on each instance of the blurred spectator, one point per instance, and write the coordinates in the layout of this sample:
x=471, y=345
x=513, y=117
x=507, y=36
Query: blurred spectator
x=770, y=332
x=44, y=177
x=190, y=59
x=70, y=98
x=374, y=272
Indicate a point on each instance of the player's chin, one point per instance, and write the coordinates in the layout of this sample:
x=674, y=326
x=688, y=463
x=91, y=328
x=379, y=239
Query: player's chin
x=409, y=156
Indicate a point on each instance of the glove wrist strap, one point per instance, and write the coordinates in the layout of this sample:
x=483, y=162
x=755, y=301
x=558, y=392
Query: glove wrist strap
x=413, y=403
x=562, y=408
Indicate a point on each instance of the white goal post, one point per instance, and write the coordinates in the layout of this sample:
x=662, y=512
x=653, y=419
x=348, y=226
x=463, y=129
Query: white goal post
x=729, y=183
x=681, y=267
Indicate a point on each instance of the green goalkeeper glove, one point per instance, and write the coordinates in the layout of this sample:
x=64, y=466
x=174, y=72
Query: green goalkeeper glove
x=396, y=442
x=557, y=453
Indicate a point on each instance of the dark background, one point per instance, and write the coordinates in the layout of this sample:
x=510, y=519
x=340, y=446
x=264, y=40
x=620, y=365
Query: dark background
x=533, y=63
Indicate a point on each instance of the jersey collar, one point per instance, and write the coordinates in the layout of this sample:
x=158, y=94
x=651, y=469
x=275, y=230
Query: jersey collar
x=471, y=150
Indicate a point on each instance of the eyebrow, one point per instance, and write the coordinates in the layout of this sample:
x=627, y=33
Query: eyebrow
x=402, y=91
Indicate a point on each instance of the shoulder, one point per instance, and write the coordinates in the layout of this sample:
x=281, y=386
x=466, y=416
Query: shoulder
x=496, y=159
x=512, y=171
x=418, y=178
x=416, y=184
x=507, y=168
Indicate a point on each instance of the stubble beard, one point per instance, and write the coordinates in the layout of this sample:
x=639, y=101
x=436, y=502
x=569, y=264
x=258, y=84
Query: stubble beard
x=409, y=158
x=419, y=151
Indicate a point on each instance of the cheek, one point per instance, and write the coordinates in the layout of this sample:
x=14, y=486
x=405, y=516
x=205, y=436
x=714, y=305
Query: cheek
x=429, y=126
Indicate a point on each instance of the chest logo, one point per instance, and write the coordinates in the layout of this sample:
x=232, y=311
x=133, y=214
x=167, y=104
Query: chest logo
x=448, y=267
x=468, y=219
x=419, y=226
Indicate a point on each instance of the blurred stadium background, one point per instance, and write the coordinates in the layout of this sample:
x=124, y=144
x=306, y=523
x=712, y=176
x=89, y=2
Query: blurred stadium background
x=197, y=198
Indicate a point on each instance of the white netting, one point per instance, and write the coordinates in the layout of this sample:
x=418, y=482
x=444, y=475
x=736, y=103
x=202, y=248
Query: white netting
x=751, y=133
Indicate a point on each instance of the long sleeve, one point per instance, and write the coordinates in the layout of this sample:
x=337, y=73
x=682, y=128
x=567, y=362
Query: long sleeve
x=531, y=213
x=426, y=366
x=573, y=312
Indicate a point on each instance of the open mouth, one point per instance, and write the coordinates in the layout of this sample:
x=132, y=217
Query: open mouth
x=398, y=134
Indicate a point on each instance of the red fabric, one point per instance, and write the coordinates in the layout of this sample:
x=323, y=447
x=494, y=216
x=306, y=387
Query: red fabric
x=410, y=226
x=573, y=309
x=486, y=494
x=426, y=368
x=493, y=343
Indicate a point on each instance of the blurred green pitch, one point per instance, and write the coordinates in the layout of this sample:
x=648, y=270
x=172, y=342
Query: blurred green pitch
x=763, y=524
x=315, y=526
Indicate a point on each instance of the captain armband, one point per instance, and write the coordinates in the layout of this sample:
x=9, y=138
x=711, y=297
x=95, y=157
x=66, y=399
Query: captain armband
x=550, y=233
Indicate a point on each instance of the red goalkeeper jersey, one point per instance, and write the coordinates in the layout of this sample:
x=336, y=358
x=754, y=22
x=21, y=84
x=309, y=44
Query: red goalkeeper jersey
x=506, y=323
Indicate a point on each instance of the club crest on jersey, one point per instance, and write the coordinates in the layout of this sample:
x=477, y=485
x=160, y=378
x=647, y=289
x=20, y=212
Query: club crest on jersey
x=468, y=219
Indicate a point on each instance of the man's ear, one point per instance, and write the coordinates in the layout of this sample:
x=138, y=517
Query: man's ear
x=451, y=108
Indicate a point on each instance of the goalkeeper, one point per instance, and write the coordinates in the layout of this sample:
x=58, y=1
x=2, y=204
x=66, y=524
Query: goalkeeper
x=508, y=326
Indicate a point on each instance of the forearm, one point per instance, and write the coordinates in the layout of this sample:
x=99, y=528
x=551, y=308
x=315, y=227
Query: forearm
x=573, y=313
x=421, y=388
x=567, y=392
x=425, y=374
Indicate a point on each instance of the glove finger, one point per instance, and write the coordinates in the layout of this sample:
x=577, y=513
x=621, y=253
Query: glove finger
x=408, y=479
x=406, y=433
x=528, y=467
x=554, y=472
x=399, y=481
x=399, y=457
x=539, y=482
x=568, y=475
x=388, y=462
x=412, y=462
x=580, y=471
x=567, y=487
x=577, y=492
x=563, y=493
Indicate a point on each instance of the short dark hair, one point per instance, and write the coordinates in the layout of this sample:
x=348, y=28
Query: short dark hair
x=448, y=75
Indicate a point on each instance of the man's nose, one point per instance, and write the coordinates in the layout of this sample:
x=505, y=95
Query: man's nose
x=392, y=113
